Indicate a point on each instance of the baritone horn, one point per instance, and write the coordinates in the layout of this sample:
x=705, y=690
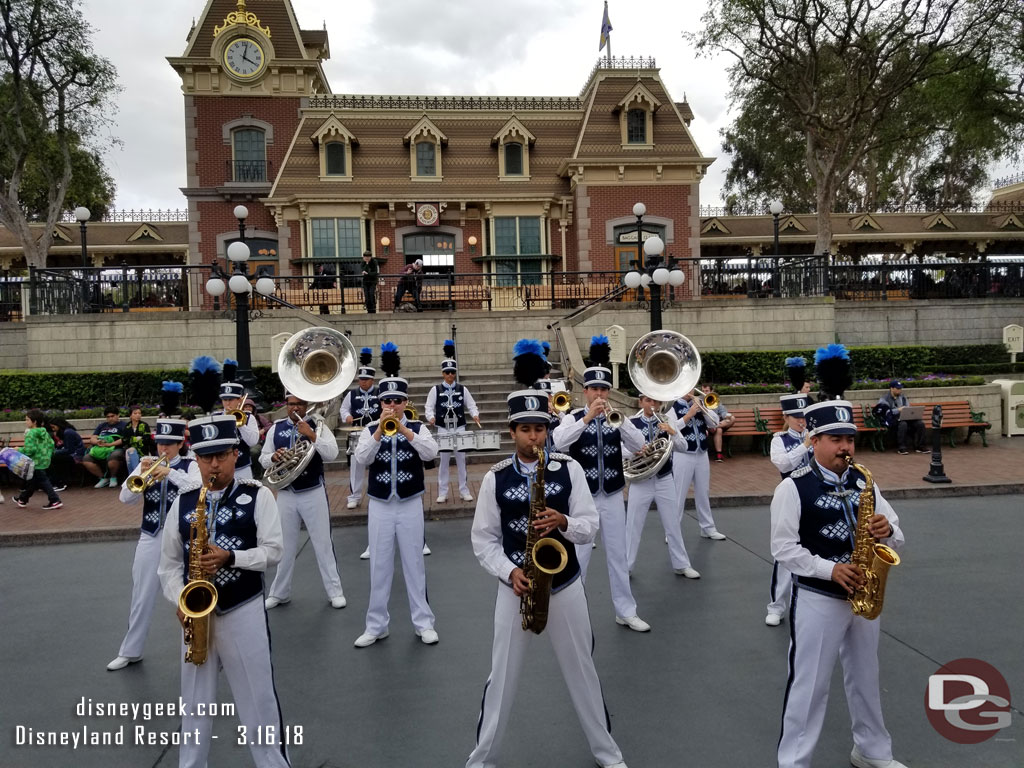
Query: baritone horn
x=140, y=482
x=315, y=365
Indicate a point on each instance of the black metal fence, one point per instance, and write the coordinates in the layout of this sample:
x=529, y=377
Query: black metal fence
x=63, y=291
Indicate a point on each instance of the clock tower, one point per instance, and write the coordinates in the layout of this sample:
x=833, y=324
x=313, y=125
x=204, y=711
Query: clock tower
x=246, y=71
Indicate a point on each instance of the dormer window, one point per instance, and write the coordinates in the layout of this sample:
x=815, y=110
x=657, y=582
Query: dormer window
x=513, y=142
x=426, y=158
x=636, y=126
x=334, y=154
x=513, y=159
x=636, y=118
x=425, y=142
x=335, y=143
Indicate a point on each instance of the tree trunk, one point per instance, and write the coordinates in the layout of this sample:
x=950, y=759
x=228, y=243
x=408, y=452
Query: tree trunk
x=824, y=196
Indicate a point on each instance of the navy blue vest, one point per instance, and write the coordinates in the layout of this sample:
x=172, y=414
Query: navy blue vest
x=512, y=494
x=450, y=401
x=157, y=499
x=599, y=452
x=232, y=525
x=791, y=443
x=650, y=431
x=396, y=469
x=828, y=520
x=244, y=449
x=364, y=406
x=695, y=432
x=285, y=436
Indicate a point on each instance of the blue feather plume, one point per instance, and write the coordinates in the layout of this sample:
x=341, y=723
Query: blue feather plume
x=796, y=362
x=449, y=343
x=204, y=364
x=366, y=351
x=388, y=346
x=829, y=352
x=599, y=339
x=527, y=347
x=229, y=361
x=547, y=347
x=173, y=386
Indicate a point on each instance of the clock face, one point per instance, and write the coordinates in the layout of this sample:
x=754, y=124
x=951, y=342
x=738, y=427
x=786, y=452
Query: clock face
x=244, y=57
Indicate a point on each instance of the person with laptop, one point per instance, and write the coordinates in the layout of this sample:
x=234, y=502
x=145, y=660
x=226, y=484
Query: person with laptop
x=900, y=416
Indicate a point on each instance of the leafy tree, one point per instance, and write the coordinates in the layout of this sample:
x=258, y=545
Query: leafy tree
x=884, y=98
x=90, y=186
x=55, y=94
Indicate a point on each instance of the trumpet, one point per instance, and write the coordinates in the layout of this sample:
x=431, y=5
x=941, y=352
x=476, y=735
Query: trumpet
x=612, y=417
x=561, y=401
x=240, y=415
x=389, y=425
x=140, y=482
x=706, y=403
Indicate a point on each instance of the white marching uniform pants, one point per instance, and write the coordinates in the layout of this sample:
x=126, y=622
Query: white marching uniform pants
x=695, y=469
x=460, y=463
x=612, y=511
x=822, y=628
x=240, y=643
x=572, y=640
x=309, y=507
x=356, y=480
x=145, y=588
x=402, y=521
x=781, y=586
x=662, y=491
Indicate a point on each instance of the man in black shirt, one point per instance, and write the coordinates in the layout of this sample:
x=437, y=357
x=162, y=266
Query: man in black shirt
x=371, y=271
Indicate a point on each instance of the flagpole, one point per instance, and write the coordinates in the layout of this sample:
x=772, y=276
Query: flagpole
x=608, y=53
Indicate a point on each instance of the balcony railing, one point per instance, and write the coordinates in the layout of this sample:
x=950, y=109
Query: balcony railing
x=248, y=171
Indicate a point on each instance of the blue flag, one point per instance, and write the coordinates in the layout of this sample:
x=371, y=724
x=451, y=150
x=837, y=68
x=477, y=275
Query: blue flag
x=606, y=27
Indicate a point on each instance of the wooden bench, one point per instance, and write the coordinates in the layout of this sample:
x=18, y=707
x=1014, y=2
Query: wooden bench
x=746, y=424
x=957, y=413
x=862, y=419
x=313, y=298
x=562, y=294
x=443, y=296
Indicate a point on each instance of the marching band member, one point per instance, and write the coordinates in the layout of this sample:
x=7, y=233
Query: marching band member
x=396, y=488
x=661, y=489
x=586, y=435
x=176, y=473
x=231, y=396
x=814, y=521
x=448, y=403
x=244, y=539
x=691, y=465
x=790, y=450
x=530, y=367
x=499, y=538
x=305, y=499
x=359, y=407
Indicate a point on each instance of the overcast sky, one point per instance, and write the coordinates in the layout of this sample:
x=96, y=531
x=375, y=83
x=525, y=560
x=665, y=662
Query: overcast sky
x=462, y=47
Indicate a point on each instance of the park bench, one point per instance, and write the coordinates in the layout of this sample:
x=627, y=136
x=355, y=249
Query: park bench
x=444, y=296
x=565, y=294
x=746, y=424
x=313, y=298
x=955, y=414
x=862, y=419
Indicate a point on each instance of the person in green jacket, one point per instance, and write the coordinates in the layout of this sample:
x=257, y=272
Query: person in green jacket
x=39, y=448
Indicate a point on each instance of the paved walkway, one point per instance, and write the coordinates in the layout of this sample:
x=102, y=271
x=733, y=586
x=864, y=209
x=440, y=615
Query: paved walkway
x=745, y=479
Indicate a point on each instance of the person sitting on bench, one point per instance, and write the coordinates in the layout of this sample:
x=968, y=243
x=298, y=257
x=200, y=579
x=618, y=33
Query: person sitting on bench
x=888, y=410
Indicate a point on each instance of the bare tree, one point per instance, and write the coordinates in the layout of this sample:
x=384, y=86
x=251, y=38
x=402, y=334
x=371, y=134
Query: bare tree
x=55, y=94
x=845, y=69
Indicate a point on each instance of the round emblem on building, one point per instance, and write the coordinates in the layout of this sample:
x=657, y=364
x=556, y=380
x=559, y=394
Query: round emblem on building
x=426, y=214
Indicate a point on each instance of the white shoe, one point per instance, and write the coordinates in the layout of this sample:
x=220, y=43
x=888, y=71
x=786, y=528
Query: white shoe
x=102, y=483
x=773, y=619
x=365, y=555
x=428, y=636
x=619, y=764
x=859, y=761
x=121, y=662
x=713, y=534
x=273, y=602
x=634, y=622
x=339, y=602
x=466, y=496
x=366, y=639
x=351, y=504
x=689, y=573
x=426, y=549
x=441, y=499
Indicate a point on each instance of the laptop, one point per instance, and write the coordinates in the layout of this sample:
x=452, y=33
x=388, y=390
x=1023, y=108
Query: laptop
x=912, y=413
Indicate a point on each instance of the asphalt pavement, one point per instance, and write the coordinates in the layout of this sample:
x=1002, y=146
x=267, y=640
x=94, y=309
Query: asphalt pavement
x=703, y=689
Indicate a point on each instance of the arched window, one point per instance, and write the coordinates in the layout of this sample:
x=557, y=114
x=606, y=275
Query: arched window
x=636, y=126
x=335, y=155
x=513, y=159
x=249, y=161
x=425, y=158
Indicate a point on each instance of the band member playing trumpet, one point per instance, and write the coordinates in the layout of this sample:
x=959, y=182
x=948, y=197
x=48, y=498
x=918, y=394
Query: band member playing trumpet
x=231, y=396
x=661, y=489
x=359, y=407
x=447, y=406
x=394, y=449
x=690, y=465
x=245, y=539
x=499, y=539
x=161, y=488
x=305, y=500
x=586, y=435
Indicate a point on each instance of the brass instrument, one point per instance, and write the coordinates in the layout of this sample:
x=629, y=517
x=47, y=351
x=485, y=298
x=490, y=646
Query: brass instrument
x=389, y=425
x=872, y=558
x=198, y=597
x=316, y=365
x=142, y=481
x=544, y=558
x=240, y=415
x=561, y=401
x=664, y=366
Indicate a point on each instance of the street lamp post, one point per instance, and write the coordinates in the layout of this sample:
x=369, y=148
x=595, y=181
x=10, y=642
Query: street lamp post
x=776, y=209
x=238, y=252
x=656, y=276
x=82, y=215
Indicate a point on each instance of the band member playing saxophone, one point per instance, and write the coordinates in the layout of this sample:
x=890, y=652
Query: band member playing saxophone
x=245, y=539
x=499, y=538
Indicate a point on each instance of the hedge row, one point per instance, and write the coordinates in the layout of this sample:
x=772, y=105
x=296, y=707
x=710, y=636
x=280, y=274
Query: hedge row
x=117, y=388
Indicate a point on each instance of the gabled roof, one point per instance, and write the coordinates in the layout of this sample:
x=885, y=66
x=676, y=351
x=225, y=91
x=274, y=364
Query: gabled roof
x=864, y=221
x=514, y=128
x=276, y=15
x=713, y=226
x=791, y=222
x=425, y=127
x=937, y=220
x=639, y=93
x=331, y=127
x=1009, y=220
x=146, y=230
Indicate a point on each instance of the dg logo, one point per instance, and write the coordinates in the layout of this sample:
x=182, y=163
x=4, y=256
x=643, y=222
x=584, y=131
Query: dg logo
x=801, y=403
x=392, y=386
x=210, y=432
x=842, y=414
x=599, y=375
x=532, y=404
x=165, y=429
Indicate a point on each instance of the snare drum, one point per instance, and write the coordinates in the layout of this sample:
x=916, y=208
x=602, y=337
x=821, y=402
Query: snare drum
x=465, y=441
x=488, y=440
x=447, y=442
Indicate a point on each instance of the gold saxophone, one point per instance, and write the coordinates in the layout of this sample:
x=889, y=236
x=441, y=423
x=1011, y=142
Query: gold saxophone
x=544, y=558
x=198, y=597
x=873, y=559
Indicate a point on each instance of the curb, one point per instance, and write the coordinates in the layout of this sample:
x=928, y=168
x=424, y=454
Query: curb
x=454, y=512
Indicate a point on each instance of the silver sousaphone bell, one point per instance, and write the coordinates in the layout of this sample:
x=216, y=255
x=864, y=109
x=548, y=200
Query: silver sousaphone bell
x=316, y=365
